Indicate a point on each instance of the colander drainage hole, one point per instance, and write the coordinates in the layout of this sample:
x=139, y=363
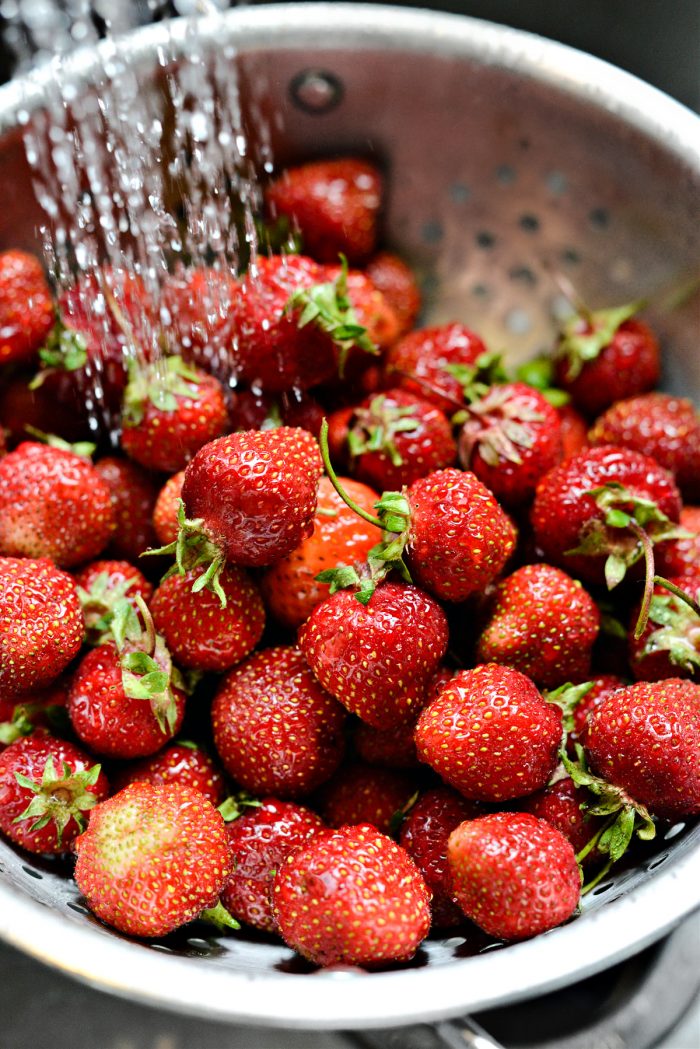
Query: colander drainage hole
x=673, y=831
x=484, y=239
x=570, y=256
x=599, y=218
x=316, y=91
x=602, y=888
x=78, y=908
x=32, y=873
x=657, y=862
x=530, y=223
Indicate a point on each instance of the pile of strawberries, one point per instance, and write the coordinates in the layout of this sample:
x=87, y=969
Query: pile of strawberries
x=238, y=687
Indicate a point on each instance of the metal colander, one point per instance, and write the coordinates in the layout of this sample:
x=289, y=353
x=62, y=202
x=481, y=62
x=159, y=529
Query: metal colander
x=509, y=160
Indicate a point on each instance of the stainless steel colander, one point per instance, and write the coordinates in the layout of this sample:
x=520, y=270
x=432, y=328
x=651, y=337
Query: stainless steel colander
x=509, y=159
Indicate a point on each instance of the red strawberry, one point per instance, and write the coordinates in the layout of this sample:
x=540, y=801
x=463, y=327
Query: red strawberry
x=669, y=645
x=351, y=896
x=195, y=309
x=133, y=495
x=490, y=734
x=363, y=794
x=260, y=840
x=47, y=787
x=165, y=511
x=22, y=714
x=254, y=410
x=23, y=411
x=603, y=686
x=291, y=587
x=152, y=859
x=250, y=499
x=395, y=438
x=41, y=624
x=197, y=630
x=514, y=875
x=101, y=585
x=606, y=355
x=170, y=411
x=424, y=836
x=511, y=437
x=591, y=512
x=563, y=805
x=574, y=430
x=26, y=309
x=645, y=740
x=390, y=747
x=397, y=283
x=182, y=763
x=54, y=504
x=126, y=699
x=376, y=657
x=682, y=556
x=543, y=623
x=276, y=730
x=333, y=203
x=423, y=360
x=663, y=427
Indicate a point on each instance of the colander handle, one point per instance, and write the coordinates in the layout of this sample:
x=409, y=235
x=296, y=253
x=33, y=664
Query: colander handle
x=463, y=1033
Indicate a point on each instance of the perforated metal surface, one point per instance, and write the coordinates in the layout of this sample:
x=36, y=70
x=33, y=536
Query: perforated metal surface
x=507, y=158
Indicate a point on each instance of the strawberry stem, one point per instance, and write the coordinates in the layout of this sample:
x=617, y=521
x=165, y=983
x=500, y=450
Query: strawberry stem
x=597, y=879
x=668, y=585
x=648, y=550
x=589, y=846
x=333, y=478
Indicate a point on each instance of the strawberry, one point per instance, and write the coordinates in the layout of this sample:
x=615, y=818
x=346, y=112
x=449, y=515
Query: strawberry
x=390, y=747
x=663, y=427
x=682, y=556
x=195, y=309
x=510, y=438
x=514, y=875
x=198, y=631
x=24, y=410
x=26, y=309
x=603, y=686
x=47, y=787
x=363, y=794
x=275, y=729
x=133, y=495
x=395, y=438
x=260, y=840
x=543, y=623
x=22, y=714
x=574, y=430
x=645, y=740
x=424, y=835
x=563, y=805
x=152, y=859
x=291, y=587
x=376, y=658
x=101, y=585
x=490, y=734
x=606, y=355
x=396, y=281
x=255, y=410
x=669, y=645
x=353, y=897
x=41, y=624
x=126, y=699
x=333, y=203
x=54, y=504
x=597, y=513
x=250, y=499
x=170, y=411
x=182, y=763
x=165, y=511
x=422, y=362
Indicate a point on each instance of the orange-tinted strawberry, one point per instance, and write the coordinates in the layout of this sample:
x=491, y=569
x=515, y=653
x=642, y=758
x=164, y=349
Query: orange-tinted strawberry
x=165, y=511
x=606, y=355
x=41, y=624
x=514, y=875
x=198, y=631
x=663, y=427
x=133, y=494
x=333, y=203
x=669, y=645
x=260, y=840
x=378, y=657
x=423, y=363
x=364, y=794
x=26, y=309
x=543, y=623
x=275, y=729
x=490, y=734
x=54, y=504
x=290, y=587
x=351, y=896
x=101, y=586
x=152, y=859
x=424, y=835
x=47, y=788
x=182, y=763
x=170, y=411
x=195, y=307
x=397, y=283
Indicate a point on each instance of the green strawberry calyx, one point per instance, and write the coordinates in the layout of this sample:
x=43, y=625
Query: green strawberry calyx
x=193, y=549
x=18, y=726
x=328, y=306
x=567, y=697
x=677, y=622
x=375, y=428
x=65, y=350
x=477, y=379
x=498, y=426
x=84, y=449
x=163, y=384
x=586, y=334
x=539, y=373
x=59, y=797
x=235, y=805
x=624, y=817
x=219, y=917
x=99, y=603
x=147, y=668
